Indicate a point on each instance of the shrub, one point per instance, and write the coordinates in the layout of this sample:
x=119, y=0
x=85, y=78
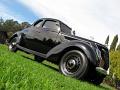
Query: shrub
x=114, y=68
x=115, y=63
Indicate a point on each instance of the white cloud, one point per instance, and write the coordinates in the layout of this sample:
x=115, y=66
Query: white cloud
x=5, y=13
x=96, y=18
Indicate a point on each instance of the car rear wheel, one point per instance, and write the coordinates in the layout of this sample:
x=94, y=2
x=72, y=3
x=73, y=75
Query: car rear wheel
x=74, y=64
x=38, y=58
x=12, y=45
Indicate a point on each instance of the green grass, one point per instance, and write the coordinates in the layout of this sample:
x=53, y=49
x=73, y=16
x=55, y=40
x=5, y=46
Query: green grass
x=20, y=71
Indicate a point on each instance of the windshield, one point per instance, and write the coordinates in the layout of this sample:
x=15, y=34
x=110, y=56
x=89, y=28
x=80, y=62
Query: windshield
x=38, y=23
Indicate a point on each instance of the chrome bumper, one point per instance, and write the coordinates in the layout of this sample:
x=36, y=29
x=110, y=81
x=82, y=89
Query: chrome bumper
x=102, y=71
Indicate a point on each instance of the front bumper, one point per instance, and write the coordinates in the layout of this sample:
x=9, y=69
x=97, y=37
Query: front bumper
x=102, y=71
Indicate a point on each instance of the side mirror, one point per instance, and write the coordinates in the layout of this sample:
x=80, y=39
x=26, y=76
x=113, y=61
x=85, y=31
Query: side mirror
x=74, y=33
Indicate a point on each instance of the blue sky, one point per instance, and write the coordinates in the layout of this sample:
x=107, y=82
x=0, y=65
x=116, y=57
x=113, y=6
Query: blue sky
x=13, y=9
x=92, y=19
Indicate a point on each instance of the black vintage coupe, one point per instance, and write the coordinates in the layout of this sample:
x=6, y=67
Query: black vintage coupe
x=52, y=40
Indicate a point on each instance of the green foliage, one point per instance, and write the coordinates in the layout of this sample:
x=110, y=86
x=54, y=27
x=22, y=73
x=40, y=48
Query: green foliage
x=1, y=24
x=20, y=73
x=24, y=25
x=115, y=63
x=107, y=40
x=12, y=26
x=118, y=47
x=114, y=68
x=8, y=27
x=114, y=43
x=9, y=34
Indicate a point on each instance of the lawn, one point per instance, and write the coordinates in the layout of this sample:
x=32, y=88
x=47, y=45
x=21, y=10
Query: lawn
x=20, y=71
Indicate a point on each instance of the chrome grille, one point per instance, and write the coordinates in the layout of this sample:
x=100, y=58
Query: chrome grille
x=104, y=61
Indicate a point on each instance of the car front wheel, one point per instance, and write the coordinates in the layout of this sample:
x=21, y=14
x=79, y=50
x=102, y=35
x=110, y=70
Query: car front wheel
x=74, y=64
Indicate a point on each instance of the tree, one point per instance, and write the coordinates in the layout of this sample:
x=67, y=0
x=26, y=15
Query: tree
x=3, y=37
x=114, y=43
x=118, y=47
x=1, y=24
x=8, y=27
x=11, y=26
x=107, y=40
x=25, y=25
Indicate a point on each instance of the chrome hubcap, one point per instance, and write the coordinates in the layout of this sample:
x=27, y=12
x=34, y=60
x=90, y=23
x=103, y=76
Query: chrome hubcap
x=12, y=44
x=10, y=47
x=71, y=64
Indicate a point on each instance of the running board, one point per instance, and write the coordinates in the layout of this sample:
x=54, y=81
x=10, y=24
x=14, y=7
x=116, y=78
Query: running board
x=31, y=51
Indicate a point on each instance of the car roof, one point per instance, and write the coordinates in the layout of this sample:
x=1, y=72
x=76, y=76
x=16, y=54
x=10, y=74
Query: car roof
x=55, y=20
x=49, y=19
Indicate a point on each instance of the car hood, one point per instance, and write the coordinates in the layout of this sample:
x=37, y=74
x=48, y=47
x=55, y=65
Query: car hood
x=90, y=41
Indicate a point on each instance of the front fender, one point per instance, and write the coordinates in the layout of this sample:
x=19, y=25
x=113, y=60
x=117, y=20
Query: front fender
x=85, y=47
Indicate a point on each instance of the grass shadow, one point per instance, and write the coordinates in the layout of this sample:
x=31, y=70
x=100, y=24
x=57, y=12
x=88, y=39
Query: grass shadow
x=27, y=58
x=51, y=67
x=46, y=65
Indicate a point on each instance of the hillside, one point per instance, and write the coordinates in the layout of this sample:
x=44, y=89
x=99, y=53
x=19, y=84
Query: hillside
x=20, y=71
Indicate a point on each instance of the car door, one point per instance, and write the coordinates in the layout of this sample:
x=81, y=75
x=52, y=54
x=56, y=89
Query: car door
x=32, y=38
x=49, y=33
x=42, y=36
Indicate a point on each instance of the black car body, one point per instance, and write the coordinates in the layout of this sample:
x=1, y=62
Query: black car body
x=51, y=39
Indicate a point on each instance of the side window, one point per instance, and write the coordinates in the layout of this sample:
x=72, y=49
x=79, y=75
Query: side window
x=65, y=29
x=38, y=23
x=51, y=25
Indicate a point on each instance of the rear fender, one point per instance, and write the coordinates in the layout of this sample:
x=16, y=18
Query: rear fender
x=17, y=34
x=14, y=35
x=85, y=47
